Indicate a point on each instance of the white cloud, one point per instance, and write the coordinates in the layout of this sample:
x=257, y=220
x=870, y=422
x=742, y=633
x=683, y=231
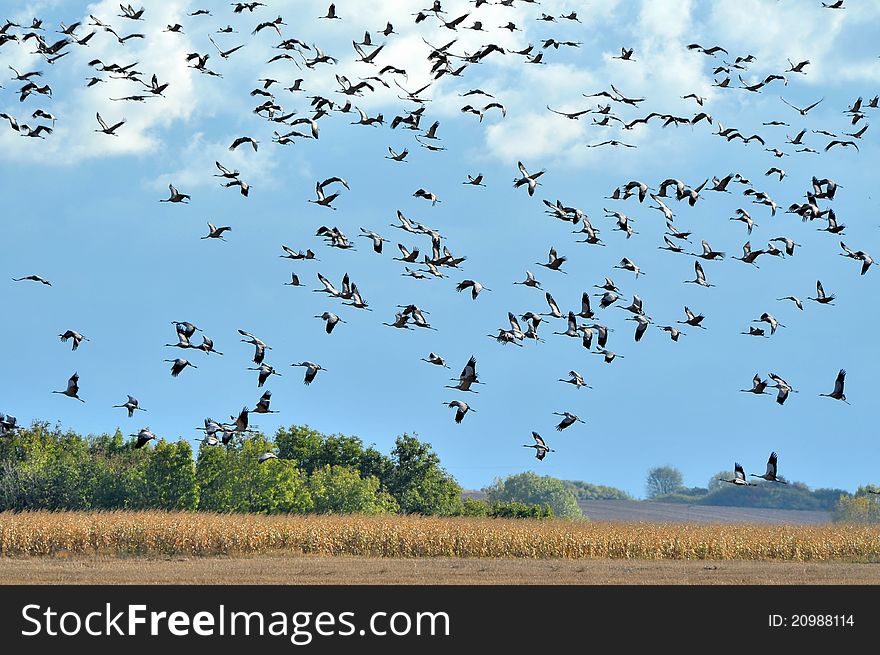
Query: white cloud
x=196, y=164
x=776, y=32
x=664, y=71
x=75, y=105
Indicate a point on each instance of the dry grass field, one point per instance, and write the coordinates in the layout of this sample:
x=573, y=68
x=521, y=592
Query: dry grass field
x=199, y=548
x=202, y=534
x=319, y=570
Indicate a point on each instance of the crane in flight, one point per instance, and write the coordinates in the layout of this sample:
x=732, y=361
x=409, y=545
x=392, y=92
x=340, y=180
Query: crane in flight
x=72, y=389
x=131, y=405
x=837, y=393
x=568, y=420
x=770, y=474
x=541, y=448
x=461, y=408
x=739, y=477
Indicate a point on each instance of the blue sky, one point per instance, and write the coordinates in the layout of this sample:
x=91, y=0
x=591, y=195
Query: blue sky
x=82, y=209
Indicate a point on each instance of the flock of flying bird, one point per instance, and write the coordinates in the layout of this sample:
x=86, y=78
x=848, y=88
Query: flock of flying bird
x=290, y=126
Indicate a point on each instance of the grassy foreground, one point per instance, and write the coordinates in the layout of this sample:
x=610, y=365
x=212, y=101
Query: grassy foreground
x=291, y=569
x=201, y=534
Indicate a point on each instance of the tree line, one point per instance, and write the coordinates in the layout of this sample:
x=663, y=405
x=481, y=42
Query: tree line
x=46, y=468
x=666, y=484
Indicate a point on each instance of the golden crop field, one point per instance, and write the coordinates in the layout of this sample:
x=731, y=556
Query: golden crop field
x=200, y=534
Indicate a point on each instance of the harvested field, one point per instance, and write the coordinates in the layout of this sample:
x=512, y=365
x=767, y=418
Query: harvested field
x=318, y=570
x=204, y=535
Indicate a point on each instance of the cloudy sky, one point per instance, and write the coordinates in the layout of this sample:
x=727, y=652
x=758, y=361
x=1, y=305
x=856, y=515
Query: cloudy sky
x=82, y=209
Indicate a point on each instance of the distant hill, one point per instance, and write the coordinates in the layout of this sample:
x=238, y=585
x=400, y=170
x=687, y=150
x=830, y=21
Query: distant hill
x=768, y=495
x=638, y=510
x=651, y=511
x=588, y=491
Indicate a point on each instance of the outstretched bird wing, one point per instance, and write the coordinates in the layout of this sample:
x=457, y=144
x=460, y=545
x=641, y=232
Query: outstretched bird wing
x=838, y=383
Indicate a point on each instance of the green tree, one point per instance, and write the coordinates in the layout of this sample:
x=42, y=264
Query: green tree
x=587, y=491
x=828, y=498
x=516, y=510
x=46, y=468
x=418, y=482
x=342, y=490
x=504, y=509
x=314, y=450
x=858, y=509
x=303, y=444
x=534, y=489
x=475, y=507
x=213, y=478
x=663, y=480
x=18, y=487
x=120, y=479
x=233, y=480
x=170, y=477
x=715, y=484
